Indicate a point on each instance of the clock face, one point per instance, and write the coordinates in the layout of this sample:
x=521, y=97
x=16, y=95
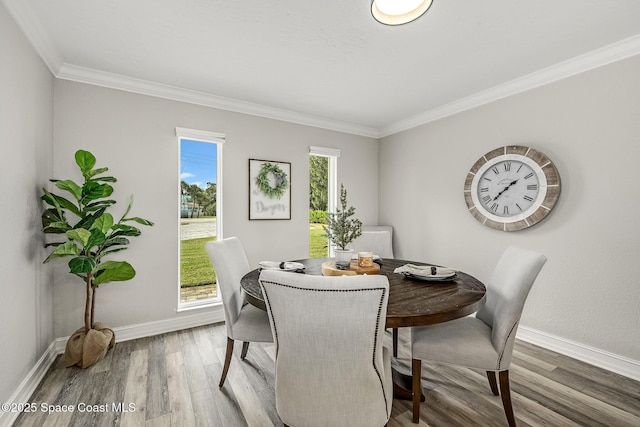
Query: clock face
x=508, y=188
x=512, y=188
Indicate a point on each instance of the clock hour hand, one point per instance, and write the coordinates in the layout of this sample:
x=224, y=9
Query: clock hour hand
x=505, y=189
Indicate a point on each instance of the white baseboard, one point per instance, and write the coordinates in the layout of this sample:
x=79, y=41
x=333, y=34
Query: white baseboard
x=29, y=384
x=124, y=333
x=148, y=329
x=611, y=362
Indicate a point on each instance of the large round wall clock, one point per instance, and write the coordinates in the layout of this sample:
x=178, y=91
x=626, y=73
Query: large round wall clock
x=512, y=188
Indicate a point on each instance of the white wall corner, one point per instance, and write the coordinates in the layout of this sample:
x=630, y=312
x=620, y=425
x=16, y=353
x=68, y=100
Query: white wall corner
x=22, y=14
x=611, y=362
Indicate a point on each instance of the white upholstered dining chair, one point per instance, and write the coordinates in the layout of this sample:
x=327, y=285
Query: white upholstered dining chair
x=244, y=322
x=375, y=238
x=331, y=366
x=485, y=341
x=379, y=240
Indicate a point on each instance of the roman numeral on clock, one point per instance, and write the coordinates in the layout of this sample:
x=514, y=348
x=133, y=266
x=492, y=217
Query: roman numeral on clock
x=507, y=166
x=494, y=207
x=532, y=187
x=495, y=170
x=505, y=210
x=485, y=199
x=528, y=175
x=528, y=199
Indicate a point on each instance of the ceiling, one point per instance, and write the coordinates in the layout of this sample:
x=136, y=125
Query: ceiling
x=328, y=63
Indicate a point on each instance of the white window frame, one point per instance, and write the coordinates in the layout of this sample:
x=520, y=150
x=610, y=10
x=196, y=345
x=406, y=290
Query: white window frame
x=332, y=186
x=219, y=140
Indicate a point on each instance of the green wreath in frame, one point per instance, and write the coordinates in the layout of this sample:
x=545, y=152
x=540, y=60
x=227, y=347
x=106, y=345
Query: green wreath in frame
x=281, y=181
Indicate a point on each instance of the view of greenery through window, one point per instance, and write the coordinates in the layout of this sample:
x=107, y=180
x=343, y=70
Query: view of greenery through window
x=318, y=196
x=198, y=211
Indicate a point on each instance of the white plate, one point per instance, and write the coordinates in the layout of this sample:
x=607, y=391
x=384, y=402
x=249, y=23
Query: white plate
x=437, y=278
x=284, y=266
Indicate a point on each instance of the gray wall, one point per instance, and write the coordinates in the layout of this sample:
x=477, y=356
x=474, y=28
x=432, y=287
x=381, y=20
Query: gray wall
x=588, y=124
x=134, y=135
x=26, y=129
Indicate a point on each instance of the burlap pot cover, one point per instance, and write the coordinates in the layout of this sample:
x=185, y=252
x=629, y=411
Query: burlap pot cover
x=87, y=349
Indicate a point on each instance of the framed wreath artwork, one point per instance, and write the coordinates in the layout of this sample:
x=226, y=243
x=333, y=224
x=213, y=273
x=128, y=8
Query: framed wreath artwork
x=269, y=189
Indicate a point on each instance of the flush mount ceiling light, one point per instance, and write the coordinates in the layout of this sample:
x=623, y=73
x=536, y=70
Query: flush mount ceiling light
x=398, y=12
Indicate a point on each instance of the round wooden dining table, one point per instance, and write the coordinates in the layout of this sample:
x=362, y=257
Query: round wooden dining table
x=412, y=302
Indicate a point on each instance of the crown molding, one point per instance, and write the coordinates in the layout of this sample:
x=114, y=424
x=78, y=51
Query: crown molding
x=145, y=87
x=594, y=59
x=32, y=30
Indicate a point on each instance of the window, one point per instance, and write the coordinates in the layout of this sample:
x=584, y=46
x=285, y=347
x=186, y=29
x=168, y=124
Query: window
x=200, y=214
x=323, y=196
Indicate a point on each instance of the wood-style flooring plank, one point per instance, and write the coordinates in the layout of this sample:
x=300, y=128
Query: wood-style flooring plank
x=157, y=393
x=179, y=394
x=134, y=409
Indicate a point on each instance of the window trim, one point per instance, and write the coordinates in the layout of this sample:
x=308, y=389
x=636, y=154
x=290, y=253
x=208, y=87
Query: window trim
x=219, y=139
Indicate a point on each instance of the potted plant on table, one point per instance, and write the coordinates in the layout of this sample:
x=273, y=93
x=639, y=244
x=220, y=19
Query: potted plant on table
x=91, y=233
x=341, y=229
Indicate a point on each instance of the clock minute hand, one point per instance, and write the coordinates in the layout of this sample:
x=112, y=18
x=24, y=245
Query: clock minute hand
x=505, y=189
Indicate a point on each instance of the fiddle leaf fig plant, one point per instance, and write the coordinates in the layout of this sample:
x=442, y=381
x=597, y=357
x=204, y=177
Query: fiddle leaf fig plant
x=89, y=232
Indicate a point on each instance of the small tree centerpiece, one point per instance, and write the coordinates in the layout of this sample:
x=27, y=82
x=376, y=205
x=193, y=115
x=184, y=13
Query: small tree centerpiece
x=91, y=233
x=341, y=229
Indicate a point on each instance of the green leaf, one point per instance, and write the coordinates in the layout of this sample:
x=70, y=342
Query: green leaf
x=51, y=199
x=107, y=252
x=82, y=264
x=128, y=208
x=99, y=204
x=139, y=221
x=66, y=249
x=95, y=172
x=113, y=271
x=97, y=239
x=125, y=230
x=88, y=220
x=80, y=235
x=54, y=202
x=58, y=227
x=104, y=179
x=92, y=190
x=52, y=216
x=71, y=187
x=104, y=223
x=85, y=160
x=114, y=241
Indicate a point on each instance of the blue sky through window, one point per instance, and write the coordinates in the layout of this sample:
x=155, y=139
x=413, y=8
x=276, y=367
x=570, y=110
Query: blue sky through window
x=198, y=162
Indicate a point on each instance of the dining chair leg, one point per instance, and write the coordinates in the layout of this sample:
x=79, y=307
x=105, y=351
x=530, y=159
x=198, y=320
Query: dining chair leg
x=505, y=392
x=227, y=361
x=245, y=347
x=416, y=389
x=492, y=382
x=395, y=342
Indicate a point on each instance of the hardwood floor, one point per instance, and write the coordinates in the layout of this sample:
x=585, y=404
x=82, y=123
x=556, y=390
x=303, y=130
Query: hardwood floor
x=172, y=380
